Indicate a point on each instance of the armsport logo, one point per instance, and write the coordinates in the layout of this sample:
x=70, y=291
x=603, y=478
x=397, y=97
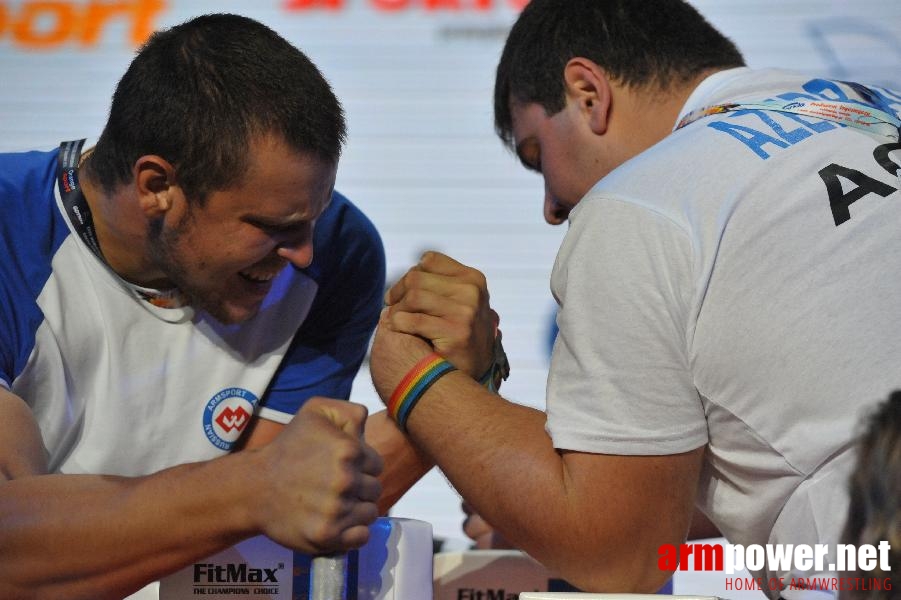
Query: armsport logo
x=226, y=415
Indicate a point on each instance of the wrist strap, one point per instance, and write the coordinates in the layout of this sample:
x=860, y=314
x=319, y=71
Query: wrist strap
x=414, y=384
x=500, y=367
x=490, y=380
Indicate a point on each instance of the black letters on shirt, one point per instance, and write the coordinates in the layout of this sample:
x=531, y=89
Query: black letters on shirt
x=881, y=154
x=839, y=201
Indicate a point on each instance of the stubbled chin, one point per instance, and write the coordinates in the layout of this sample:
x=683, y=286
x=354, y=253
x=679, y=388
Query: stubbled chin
x=239, y=301
x=247, y=306
x=232, y=315
x=229, y=312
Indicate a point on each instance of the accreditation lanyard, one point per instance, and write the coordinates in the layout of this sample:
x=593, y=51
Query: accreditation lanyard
x=859, y=115
x=73, y=199
x=79, y=213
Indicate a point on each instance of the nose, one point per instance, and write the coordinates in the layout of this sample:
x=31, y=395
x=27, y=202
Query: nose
x=301, y=256
x=298, y=251
x=554, y=212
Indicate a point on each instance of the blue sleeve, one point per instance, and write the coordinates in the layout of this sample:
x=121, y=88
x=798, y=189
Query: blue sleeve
x=349, y=266
x=31, y=231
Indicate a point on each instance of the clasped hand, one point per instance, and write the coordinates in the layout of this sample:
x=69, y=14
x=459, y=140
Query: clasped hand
x=439, y=305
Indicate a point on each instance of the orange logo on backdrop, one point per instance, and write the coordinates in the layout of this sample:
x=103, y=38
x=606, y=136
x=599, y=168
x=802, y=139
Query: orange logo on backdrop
x=396, y=5
x=47, y=24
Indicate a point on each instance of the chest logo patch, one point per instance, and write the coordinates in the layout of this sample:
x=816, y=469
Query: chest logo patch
x=226, y=416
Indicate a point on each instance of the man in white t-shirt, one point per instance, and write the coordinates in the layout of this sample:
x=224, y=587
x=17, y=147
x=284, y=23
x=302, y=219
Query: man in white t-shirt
x=728, y=294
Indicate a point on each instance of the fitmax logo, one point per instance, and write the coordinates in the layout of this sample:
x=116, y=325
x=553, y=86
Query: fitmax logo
x=210, y=573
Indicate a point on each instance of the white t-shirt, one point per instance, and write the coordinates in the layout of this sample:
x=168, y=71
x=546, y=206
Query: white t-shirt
x=712, y=291
x=120, y=386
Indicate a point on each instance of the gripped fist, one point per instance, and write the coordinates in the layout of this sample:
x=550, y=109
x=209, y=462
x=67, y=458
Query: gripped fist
x=446, y=303
x=320, y=483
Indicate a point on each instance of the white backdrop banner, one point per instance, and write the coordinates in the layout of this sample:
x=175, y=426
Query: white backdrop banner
x=416, y=78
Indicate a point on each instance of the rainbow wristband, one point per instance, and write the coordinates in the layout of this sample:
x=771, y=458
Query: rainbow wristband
x=414, y=384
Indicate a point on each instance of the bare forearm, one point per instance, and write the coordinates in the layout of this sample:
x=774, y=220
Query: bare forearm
x=500, y=458
x=104, y=537
x=405, y=464
x=597, y=519
x=312, y=488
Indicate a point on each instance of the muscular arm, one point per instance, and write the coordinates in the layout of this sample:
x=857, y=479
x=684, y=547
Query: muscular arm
x=598, y=520
x=486, y=537
x=94, y=537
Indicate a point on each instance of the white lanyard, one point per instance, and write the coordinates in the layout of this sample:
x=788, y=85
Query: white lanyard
x=865, y=117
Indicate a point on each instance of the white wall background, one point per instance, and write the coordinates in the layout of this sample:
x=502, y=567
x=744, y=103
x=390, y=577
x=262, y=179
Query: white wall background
x=422, y=159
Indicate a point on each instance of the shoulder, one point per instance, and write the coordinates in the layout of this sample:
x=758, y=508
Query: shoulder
x=344, y=237
x=33, y=229
x=27, y=173
x=31, y=217
x=348, y=258
x=344, y=219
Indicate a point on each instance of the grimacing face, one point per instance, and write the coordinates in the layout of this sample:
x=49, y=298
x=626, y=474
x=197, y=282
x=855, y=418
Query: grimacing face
x=225, y=254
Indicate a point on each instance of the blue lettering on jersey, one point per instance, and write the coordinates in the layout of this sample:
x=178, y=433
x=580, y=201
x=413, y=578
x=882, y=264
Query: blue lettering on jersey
x=766, y=132
x=752, y=138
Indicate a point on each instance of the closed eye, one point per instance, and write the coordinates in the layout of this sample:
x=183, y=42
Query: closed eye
x=529, y=154
x=278, y=229
x=531, y=164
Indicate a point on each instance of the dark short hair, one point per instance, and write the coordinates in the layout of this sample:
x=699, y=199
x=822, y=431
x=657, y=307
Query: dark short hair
x=874, y=512
x=199, y=93
x=637, y=42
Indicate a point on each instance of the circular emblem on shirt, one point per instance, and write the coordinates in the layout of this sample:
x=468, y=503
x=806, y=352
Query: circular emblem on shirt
x=226, y=416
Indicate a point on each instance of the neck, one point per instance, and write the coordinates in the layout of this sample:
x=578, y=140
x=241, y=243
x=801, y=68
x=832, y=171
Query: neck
x=121, y=232
x=648, y=114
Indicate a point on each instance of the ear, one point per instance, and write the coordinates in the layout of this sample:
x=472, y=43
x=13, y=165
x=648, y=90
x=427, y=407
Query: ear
x=154, y=179
x=588, y=86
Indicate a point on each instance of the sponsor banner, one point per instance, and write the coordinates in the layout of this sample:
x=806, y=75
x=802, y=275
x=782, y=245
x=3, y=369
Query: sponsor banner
x=395, y=564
